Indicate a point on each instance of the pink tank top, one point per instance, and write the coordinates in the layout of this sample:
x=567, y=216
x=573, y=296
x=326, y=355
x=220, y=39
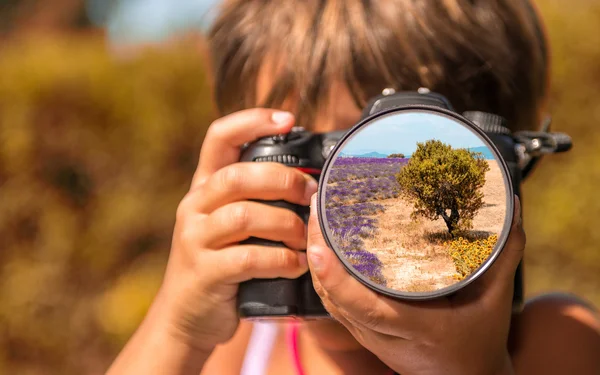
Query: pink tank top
x=261, y=344
x=259, y=348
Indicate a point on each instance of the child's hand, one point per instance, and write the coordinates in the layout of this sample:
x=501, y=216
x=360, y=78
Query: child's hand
x=465, y=334
x=206, y=264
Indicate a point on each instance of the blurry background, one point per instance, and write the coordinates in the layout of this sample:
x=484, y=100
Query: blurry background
x=103, y=107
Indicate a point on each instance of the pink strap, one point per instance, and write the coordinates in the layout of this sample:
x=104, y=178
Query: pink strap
x=292, y=341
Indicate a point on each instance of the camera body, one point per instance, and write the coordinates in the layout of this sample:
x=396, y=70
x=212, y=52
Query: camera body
x=260, y=299
x=285, y=298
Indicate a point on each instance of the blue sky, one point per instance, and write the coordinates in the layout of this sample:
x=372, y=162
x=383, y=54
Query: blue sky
x=155, y=20
x=401, y=132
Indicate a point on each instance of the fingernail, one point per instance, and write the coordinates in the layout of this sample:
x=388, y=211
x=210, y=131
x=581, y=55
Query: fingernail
x=311, y=188
x=282, y=118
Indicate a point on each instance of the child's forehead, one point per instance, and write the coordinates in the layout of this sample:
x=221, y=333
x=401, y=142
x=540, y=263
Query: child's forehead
x=337, y=110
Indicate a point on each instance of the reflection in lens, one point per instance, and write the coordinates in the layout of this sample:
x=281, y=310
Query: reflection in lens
x=415, y=202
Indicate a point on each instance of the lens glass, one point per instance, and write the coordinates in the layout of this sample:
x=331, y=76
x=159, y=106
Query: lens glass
x=416, y=203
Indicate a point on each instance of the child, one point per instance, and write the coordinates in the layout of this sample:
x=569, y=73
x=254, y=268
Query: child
x=321, y=60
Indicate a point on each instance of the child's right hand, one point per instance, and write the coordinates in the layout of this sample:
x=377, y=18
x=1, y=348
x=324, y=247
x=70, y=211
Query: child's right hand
x=206, y=262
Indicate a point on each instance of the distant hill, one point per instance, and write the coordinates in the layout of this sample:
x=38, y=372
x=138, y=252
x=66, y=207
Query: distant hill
x=371, y=155
x=368, y=153
x=486, y=152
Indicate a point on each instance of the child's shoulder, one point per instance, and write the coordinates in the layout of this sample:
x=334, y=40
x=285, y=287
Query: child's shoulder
x=555, y=325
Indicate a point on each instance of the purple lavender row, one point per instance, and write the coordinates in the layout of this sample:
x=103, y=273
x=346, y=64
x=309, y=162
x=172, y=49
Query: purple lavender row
x=372, y=271
x=360, y=181
x=361, y=168
x=341, y=161
x=354, y=210
x=350, y=241
x=347, y=173
x=384, y=182
x=362, y=191
x=350, y=226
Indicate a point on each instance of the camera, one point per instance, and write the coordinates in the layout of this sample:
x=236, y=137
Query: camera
x=269, y=299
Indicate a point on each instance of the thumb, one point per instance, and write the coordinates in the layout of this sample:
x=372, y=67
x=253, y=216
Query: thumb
x=330, y=278
x=316, y=248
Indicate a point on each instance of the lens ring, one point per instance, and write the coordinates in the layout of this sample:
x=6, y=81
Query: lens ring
x=502, y=237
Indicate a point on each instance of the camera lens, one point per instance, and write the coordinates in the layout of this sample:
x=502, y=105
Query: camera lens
x=416, y=202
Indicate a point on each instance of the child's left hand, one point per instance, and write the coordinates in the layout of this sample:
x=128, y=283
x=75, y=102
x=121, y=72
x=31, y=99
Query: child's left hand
x=465, y=334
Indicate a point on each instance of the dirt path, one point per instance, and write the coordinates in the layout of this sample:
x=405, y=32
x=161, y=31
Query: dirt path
x=412, y=264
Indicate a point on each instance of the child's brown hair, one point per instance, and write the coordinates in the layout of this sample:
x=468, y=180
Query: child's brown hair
x=487, y=55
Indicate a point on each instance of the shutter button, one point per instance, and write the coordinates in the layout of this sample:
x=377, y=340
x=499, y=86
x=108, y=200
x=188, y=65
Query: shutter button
x=295, y=133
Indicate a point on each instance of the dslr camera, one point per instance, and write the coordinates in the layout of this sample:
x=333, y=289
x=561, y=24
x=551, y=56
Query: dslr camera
x=261, y=299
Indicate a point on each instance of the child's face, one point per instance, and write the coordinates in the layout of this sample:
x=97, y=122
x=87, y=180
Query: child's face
x=341, y=113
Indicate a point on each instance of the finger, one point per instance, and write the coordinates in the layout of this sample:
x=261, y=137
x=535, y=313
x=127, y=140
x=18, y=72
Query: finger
x=257, y=181
x=225, y=137
x=331, y=307
x=337, y=312
x=240, y=263
x=238, y=221
x=357, y=303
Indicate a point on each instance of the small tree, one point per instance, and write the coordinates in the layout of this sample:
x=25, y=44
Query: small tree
x=442, y=181
x=398, y=156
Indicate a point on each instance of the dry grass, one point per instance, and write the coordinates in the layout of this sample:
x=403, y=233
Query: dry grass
x=412, y=252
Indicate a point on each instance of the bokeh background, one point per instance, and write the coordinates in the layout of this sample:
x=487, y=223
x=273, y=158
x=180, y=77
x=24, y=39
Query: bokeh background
x=103, y=108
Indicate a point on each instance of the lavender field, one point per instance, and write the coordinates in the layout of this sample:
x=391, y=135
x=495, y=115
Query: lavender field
x=372, y=225
x=354, y=187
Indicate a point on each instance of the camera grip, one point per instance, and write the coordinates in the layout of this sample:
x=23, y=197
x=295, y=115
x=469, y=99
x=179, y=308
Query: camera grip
x=270, y=298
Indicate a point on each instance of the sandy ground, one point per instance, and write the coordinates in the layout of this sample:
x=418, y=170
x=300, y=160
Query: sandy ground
x=411, y=251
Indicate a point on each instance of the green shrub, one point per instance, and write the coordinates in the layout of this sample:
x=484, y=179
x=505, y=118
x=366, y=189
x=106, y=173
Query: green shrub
x=442, y=181
x=396, y=156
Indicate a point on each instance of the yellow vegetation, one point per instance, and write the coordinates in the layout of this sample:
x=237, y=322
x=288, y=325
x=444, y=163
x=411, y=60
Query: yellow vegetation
x=96, y=151
x=469, y=255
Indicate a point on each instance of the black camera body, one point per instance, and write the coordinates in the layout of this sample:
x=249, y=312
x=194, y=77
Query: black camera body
x=285, y=298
